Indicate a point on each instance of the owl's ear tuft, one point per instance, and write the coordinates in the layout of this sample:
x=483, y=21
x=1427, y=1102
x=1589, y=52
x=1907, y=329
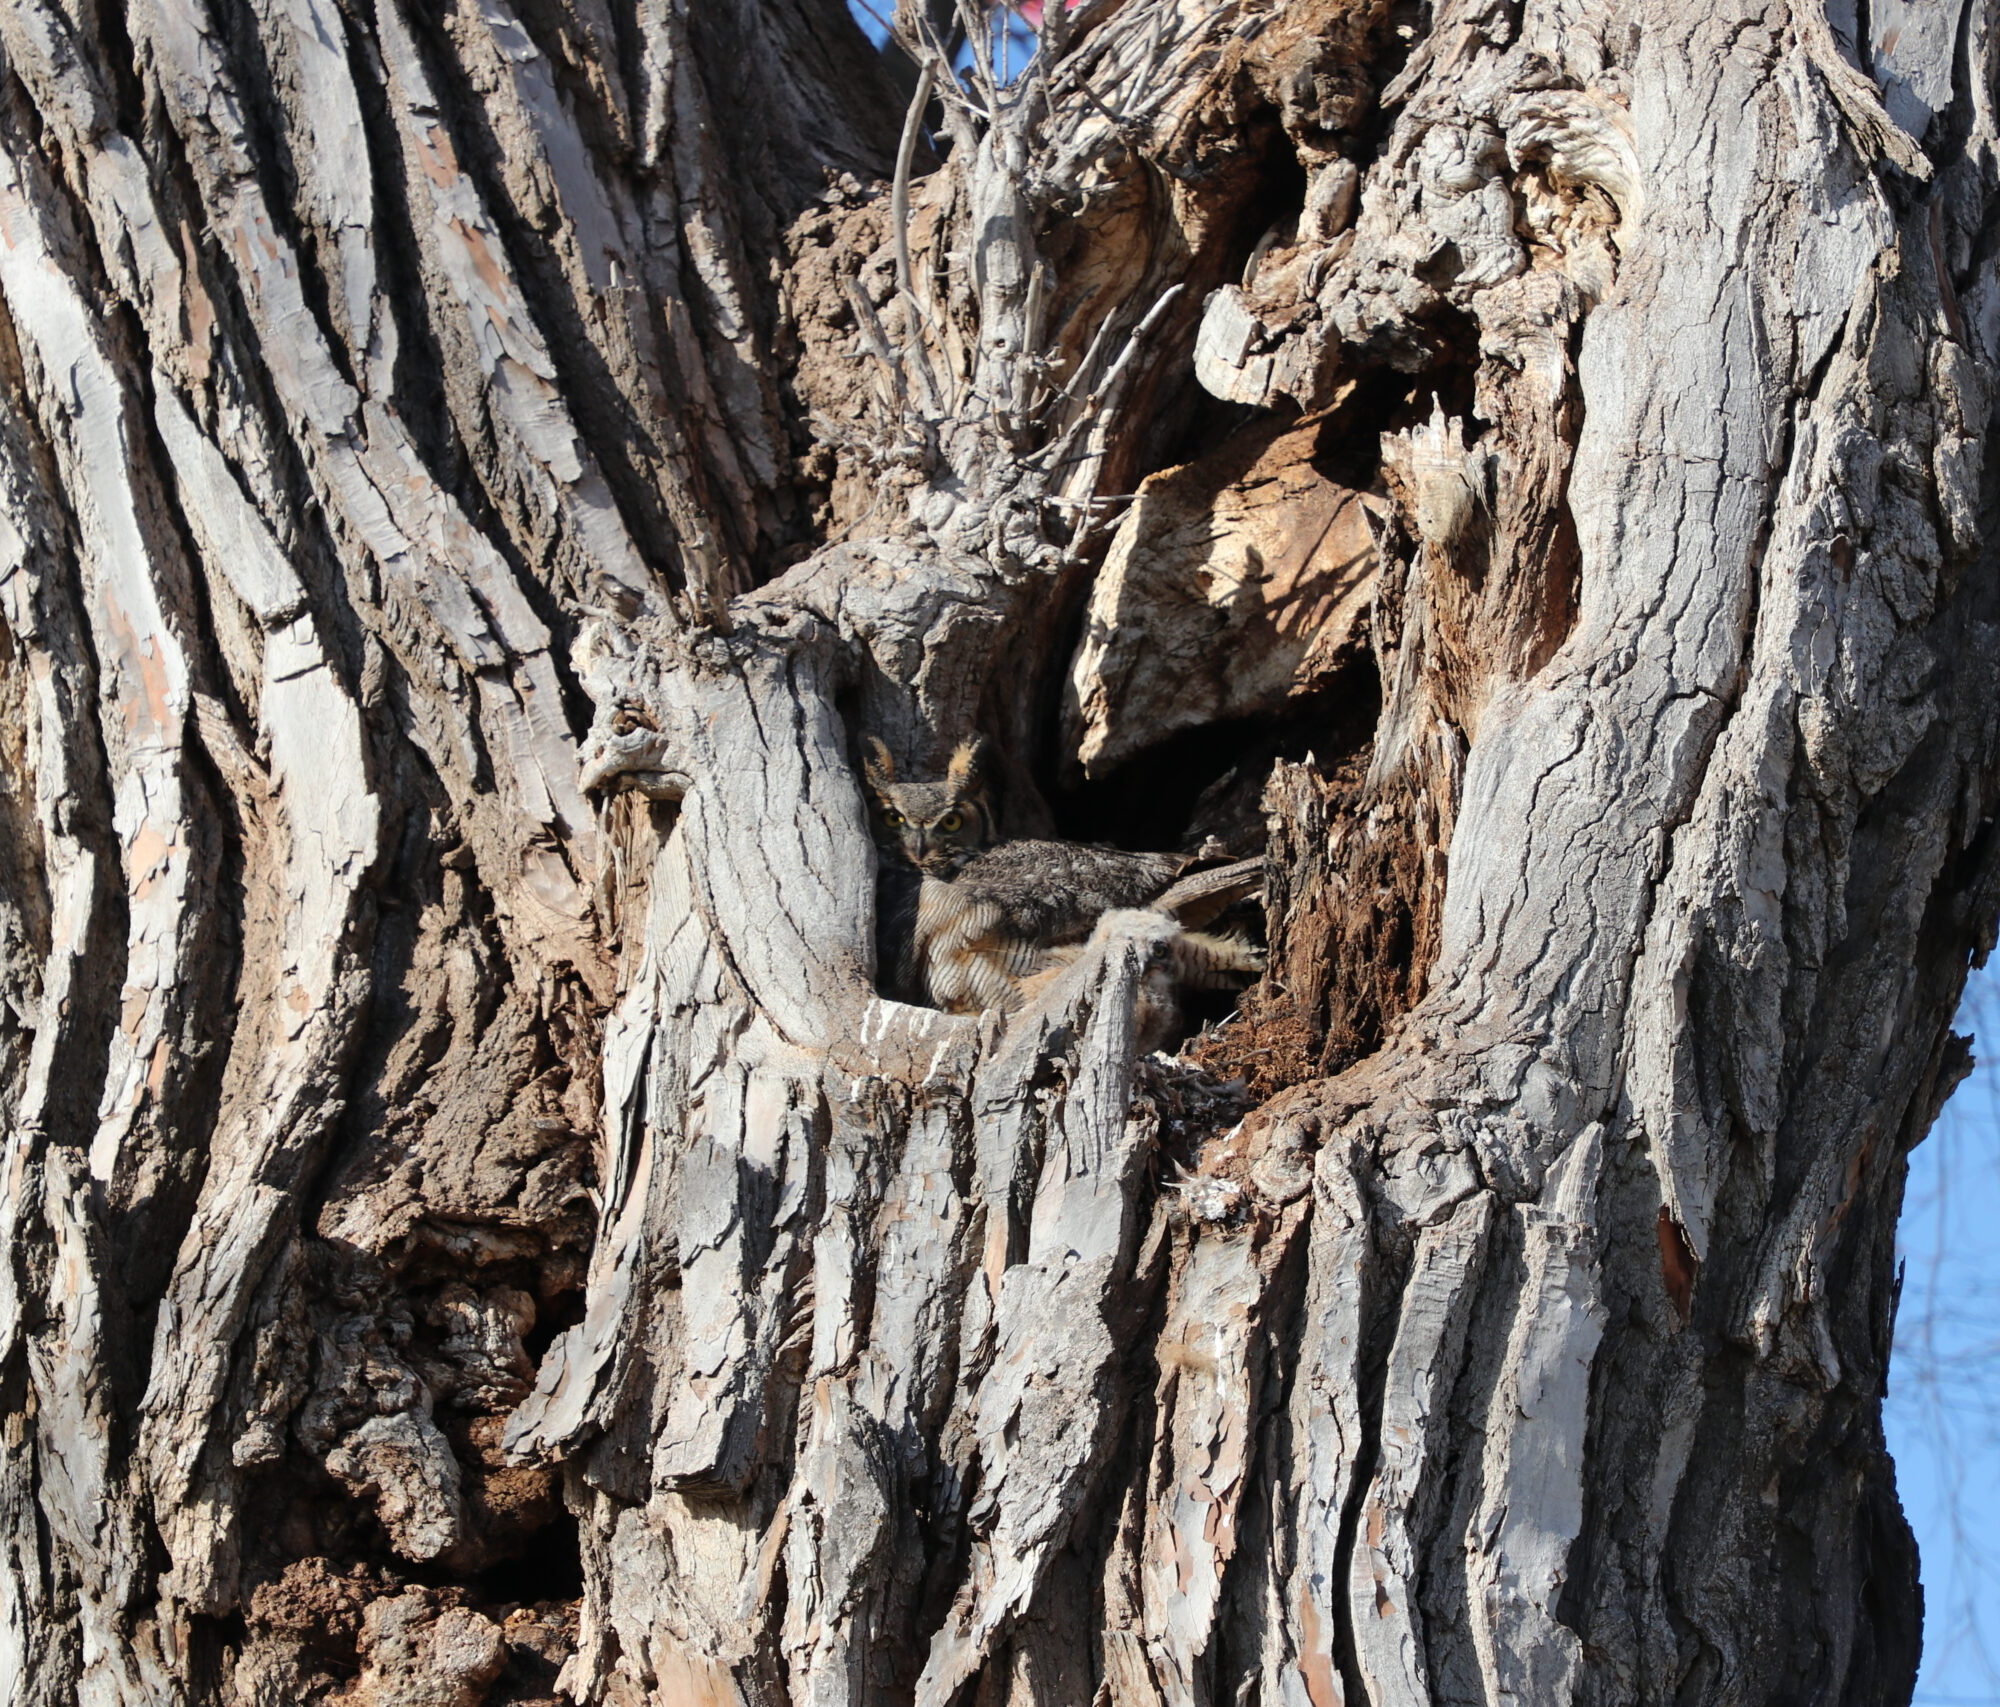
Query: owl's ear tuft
x=963, y=771
x=876, y=763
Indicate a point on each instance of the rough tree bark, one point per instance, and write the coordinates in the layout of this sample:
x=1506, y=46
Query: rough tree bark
x=472, y=472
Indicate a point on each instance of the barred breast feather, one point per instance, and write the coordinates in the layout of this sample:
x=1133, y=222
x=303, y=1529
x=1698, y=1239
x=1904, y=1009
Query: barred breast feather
x=1019, y=909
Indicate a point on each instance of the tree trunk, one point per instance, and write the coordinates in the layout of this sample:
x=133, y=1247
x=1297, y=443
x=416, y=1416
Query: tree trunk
x=474, y=473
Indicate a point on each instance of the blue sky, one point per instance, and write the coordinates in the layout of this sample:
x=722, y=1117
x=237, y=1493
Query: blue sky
x=1943, y=1415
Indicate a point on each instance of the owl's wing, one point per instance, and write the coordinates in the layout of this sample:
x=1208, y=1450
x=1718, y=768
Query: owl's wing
x=1052, y=892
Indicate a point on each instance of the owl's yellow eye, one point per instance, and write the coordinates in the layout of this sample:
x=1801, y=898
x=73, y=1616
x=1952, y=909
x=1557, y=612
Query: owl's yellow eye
x=951, y=821
x=892, y=818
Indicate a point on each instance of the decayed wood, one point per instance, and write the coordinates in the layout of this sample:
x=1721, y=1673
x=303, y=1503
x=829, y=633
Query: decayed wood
x=472, y=476
x=1228, y=588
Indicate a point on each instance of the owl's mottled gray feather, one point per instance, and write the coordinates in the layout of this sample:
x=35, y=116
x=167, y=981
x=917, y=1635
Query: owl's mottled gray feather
x=1053, y=892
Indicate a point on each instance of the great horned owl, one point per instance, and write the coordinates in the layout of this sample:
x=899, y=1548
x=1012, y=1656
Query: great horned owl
x=969, y=921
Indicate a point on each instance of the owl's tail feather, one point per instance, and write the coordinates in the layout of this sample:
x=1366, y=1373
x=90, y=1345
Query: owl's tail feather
x=1203, y=961
x=1194, y=960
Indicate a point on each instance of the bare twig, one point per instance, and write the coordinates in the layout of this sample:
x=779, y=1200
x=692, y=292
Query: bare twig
x=899, y=199
x=972, y=18
x=877, y=342
x=1103, y=395
x=899, y=216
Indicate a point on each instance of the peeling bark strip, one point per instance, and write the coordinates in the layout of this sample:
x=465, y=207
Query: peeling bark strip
x=472, y=476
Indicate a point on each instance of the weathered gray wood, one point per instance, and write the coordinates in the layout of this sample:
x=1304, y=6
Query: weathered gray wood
x=469, y=478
